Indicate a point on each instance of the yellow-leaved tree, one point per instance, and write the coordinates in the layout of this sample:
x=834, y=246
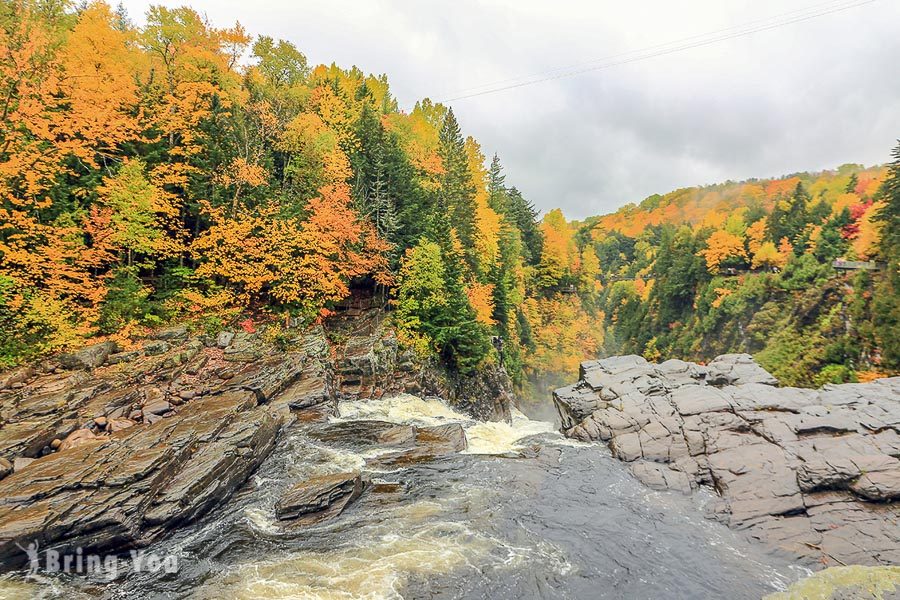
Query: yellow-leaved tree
x=721, y=247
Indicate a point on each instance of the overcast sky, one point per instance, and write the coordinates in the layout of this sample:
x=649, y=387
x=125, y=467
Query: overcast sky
x=806, y=96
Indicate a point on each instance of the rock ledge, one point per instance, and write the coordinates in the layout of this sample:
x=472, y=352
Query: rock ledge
x=813, y=472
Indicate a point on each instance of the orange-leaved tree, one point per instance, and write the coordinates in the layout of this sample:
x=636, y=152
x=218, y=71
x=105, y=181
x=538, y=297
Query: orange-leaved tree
x=294, y=261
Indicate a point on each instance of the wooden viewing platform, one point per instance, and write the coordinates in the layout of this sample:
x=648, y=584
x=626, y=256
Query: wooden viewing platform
x=855, y=265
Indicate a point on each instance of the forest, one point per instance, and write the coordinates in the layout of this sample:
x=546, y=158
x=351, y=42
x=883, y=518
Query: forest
x=183, y=172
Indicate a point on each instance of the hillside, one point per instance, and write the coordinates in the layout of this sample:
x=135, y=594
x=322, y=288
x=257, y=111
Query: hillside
x=844, y=187
x=148, y=176
x=748, y=267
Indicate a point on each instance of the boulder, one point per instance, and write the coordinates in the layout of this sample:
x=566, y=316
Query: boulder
x=122, y=357
x=224, y=339
x=156, y=347
x=172, y=334
x=6, y=467
x=156, y=407
x=366, y=433
x=430, y=443
x=244, y=348
x=319, y=498
x=16, y=377
x=89, y=357
x=120, y=424
x=79, y=438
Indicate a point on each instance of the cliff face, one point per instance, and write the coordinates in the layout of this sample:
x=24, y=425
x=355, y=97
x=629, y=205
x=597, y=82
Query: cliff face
x=369, y=363
x=813, y=472
x=109, y=450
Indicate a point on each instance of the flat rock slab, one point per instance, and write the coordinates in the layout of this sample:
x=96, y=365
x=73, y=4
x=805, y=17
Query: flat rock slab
x=366, y=433
x=319, y=498
x=131, y=487
x=430, y=443
x=813, y=472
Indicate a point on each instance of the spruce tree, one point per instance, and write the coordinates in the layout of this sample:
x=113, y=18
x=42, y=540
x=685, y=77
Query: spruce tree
x=497, y=186
x=524, y=215
x=457, y=193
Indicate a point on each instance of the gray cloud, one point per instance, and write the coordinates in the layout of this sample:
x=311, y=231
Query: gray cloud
x=807, y=96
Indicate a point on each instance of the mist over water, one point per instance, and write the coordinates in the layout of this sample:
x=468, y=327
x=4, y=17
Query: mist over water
x=523, y=513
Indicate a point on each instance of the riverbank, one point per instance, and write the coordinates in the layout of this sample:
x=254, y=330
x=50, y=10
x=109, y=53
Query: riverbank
x=105, y=450
x=814, y=473
x=521, y=512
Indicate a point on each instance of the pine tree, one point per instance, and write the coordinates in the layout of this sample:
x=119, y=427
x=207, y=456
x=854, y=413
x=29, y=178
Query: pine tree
x=524, y=215
x=457, y=194
x=789, y=218
x=497, y=186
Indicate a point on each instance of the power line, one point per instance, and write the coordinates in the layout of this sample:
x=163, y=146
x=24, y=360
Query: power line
x=665, y=49
x=742, y=26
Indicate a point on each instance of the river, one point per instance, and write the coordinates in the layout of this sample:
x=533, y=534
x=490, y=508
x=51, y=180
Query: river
x=523, y=513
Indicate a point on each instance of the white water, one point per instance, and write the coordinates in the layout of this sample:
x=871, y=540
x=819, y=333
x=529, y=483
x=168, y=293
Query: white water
x=483, y=437
x=491, y=524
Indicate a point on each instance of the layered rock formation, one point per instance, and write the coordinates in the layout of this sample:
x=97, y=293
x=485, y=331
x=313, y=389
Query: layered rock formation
x=370, y=364
x=108, y=450
x=813, y=472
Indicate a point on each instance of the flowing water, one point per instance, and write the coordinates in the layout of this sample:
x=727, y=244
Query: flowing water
x=523, y=513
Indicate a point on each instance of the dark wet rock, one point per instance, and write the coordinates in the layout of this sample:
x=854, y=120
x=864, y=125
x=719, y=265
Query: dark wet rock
x=89, y=357
x=6, y=468
x=442, y=439
x=485, y=394
x=129, y=488
x=366, y=433
x=430, y=443
x=813, y=472
x=319, y=498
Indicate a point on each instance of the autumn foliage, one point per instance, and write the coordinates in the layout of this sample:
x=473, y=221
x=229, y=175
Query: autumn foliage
x=147, y=175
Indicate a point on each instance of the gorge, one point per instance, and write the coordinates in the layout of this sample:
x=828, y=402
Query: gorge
x=308, y=469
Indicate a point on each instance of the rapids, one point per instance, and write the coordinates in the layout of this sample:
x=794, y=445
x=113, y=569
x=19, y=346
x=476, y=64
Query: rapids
x=522, y=513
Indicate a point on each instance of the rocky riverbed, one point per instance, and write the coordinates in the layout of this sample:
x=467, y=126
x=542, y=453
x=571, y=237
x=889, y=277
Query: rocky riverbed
x=285, y=462
x=814, y=473
x=109, y=449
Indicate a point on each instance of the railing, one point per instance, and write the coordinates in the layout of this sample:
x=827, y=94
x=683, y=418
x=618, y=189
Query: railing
x=855, y=265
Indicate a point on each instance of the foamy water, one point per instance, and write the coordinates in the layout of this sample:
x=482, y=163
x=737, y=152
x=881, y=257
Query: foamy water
x=483, y=437
x=560, y=520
